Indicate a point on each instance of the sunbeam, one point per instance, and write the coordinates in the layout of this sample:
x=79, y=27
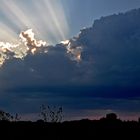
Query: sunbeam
x=58, y=17
x=7, y=34
x=14, y=13
x=47, y=18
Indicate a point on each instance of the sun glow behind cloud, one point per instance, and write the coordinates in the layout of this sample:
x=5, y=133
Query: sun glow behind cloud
x=26, y=44
x=73, y=50
x=19, y=21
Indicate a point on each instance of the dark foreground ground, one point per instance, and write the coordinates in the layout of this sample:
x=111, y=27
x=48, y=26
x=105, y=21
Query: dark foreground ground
x=84, y=129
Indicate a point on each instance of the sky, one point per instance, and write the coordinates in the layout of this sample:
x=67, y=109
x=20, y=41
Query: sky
x=35, y=71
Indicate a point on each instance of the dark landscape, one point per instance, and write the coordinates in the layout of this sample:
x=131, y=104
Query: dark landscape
x=107, y=128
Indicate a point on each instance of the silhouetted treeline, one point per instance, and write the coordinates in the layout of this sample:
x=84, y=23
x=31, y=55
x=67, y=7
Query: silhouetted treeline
x=108, y=127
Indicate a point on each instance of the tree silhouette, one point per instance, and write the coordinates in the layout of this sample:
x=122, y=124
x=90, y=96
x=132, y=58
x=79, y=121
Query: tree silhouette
x=111, y=116
x=4, y=116
x=51, y=114
x=17, y=117
x=139, y=119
